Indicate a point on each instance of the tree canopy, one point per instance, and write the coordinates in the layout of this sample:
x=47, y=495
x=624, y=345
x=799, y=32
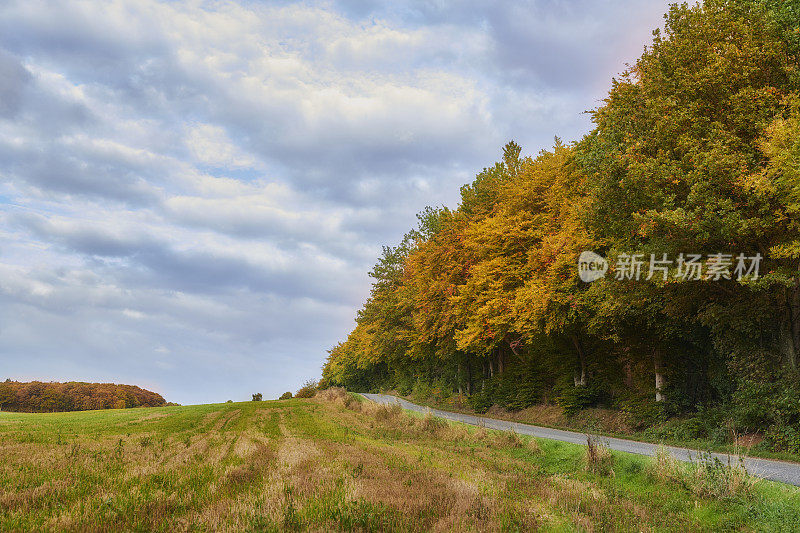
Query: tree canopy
x=695, y=153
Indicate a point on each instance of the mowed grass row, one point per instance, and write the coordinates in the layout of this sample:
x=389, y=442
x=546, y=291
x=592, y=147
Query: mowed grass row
x=335, y=463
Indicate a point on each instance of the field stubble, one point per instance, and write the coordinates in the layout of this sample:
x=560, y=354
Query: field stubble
x=337, y=463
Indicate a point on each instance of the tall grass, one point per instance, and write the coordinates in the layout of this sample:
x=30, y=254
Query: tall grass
x=706, y=476
x=598, y=457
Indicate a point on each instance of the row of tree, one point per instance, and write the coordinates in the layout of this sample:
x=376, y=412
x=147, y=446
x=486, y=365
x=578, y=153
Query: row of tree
x=695, y=150
x=41, y=397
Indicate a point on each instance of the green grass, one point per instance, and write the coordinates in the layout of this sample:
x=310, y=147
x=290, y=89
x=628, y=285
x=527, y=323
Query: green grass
x=331, y=464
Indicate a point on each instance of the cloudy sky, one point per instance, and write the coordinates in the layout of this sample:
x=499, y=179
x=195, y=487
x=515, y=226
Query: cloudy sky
x=191, y=193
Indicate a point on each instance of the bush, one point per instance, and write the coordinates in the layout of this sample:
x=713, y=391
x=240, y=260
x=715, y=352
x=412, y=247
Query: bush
x=286, y=396
x=678, y=430
x=771, y=405
x=308, y=390
x=665, y=467
x=480, y=402
x=421, y=391
x=784, y=438
x=388, y=411
x=643, y=413
x=257, y=397
x=572, y=399
x=340, y=396
x=350, y=402
x=517, y=388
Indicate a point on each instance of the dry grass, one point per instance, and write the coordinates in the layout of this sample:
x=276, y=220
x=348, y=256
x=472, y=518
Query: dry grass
x=665, y=467
x=339, y=396
x=706, y=476
x=328, y=464
x=508, y=439
x=713, y=478
x=431, y=424
x=598, y=457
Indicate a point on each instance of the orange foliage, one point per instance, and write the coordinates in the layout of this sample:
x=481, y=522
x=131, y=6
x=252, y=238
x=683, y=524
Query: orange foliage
x=38, y=397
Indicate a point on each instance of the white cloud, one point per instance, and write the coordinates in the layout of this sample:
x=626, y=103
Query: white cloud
x=211, y=180
x=211, y=145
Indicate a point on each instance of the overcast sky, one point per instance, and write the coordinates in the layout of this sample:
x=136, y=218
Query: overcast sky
x=192, y=193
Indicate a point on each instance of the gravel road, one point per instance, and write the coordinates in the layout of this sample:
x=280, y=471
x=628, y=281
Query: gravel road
x=782, y=471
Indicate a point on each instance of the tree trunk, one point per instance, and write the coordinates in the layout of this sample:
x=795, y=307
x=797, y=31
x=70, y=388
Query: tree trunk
x=790, y=331
x=469, y=378
x=628, y=373
x=580, y=375
x=501, y=363
x=458, y=378
x=658, y=367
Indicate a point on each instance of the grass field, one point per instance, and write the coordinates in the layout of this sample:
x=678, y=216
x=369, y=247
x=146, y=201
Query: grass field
x=336, y=464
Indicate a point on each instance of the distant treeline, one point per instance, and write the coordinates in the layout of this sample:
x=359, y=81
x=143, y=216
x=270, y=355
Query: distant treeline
x=39, y=397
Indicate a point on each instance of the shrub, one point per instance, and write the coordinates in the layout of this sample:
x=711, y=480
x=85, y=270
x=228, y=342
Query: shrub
x=257, y=397
x=784, y=438
x=480, y=402
x=422, y=391
x=516, y=388
x=350, y=402
x=340, y=396
x=643, y=412
x=772, y=405
x=332, y=394
x=679, y=430
x=308, y=390
x=286, y=396
x=572, y=399
x=404, y=387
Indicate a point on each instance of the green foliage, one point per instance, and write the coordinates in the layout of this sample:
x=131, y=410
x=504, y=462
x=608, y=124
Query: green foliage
x=574, y=398
x=642, y=412
x=421, y=391
x=481, y=401
x=680, y=430
x=286, y=396
x=308, y=390
x=784, y=438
